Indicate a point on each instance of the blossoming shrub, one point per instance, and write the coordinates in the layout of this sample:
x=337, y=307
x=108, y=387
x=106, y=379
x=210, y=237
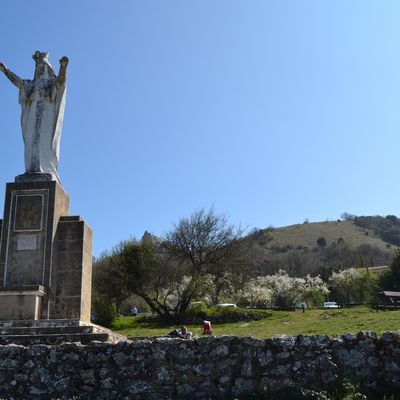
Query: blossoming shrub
x=282, y=290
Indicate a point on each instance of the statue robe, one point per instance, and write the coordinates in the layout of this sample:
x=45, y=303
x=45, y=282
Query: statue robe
x=42, y=115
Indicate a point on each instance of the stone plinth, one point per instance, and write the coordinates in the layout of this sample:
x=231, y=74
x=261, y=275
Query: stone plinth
x=21, y=303
x=72, y=284
x=31, y=214
x=42, y=246
x=54, y=331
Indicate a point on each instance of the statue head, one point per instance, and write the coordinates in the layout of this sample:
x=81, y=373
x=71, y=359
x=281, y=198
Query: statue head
x=43, y=68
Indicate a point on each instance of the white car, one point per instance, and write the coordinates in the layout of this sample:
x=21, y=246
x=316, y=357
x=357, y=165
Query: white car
x=226, y=305
x=331, y=304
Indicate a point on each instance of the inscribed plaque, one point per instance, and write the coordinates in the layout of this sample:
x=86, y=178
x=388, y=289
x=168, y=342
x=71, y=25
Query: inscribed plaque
x=28, y=213
x=27, y=242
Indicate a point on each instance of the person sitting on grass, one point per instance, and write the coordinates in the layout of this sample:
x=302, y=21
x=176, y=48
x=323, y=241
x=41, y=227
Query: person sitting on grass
x=184, y=333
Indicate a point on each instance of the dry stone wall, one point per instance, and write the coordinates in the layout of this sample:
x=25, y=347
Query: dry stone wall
x=225, y=367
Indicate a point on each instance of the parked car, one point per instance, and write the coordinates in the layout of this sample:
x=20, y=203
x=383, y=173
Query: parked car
x=331, y=304
x=226, y=305
x=301, y=305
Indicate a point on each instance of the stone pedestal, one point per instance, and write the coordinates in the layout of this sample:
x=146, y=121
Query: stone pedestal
x=21, y=303
x=45, y=255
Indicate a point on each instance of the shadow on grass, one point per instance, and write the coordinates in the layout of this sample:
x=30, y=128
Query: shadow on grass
x=136, y=322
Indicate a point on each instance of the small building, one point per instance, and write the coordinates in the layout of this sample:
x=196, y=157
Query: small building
x=391, y=297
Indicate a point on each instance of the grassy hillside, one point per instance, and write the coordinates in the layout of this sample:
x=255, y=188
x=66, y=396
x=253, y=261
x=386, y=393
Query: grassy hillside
x=305, y=248
x=306, y=235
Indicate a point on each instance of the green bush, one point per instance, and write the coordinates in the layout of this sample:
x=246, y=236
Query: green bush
x=232, y=313
x=215, y=314
x=197, y=306
x=316, y=299
x=103, y=312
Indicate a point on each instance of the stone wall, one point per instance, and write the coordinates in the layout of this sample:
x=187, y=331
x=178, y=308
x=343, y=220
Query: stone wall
x=206, y=368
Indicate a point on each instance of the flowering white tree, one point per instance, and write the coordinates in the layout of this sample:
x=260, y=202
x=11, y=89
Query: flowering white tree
x=255, y=293
x=346, y=282
x=281, y=289
x=285, y=290
x=171, y=296
x=289, y=290
x=314, y=287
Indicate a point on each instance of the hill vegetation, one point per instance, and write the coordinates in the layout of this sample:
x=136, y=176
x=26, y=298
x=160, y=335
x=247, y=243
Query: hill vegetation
x=387, y=228
x=305, y=236
x=305, y=248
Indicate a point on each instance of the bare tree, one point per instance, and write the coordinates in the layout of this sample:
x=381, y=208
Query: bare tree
x=205, y=243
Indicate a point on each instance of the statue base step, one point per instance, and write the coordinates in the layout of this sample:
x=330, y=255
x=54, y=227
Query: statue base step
x=51, y=332
x=21, y=302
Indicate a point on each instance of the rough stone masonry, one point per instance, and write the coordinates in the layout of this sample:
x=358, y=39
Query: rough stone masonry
x=205, y=368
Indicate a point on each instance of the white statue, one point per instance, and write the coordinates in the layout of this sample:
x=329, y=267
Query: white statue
x=42, y=100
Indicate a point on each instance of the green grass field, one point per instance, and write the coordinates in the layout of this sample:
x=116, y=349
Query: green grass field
x=324, y=322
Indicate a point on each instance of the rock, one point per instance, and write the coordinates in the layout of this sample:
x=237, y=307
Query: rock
x=243, y=386
x=246, y=369
x=185, y=389
x=163, y=374
x=219, y=351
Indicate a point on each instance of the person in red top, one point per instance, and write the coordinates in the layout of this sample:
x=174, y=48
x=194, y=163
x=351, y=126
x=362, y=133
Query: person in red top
x=207, y=329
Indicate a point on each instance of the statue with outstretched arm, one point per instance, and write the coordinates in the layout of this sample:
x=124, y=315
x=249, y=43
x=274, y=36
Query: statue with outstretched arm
x=42, y=102
x=15, y=79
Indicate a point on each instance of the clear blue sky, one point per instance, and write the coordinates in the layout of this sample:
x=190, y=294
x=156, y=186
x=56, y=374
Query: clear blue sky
x=273, y=111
